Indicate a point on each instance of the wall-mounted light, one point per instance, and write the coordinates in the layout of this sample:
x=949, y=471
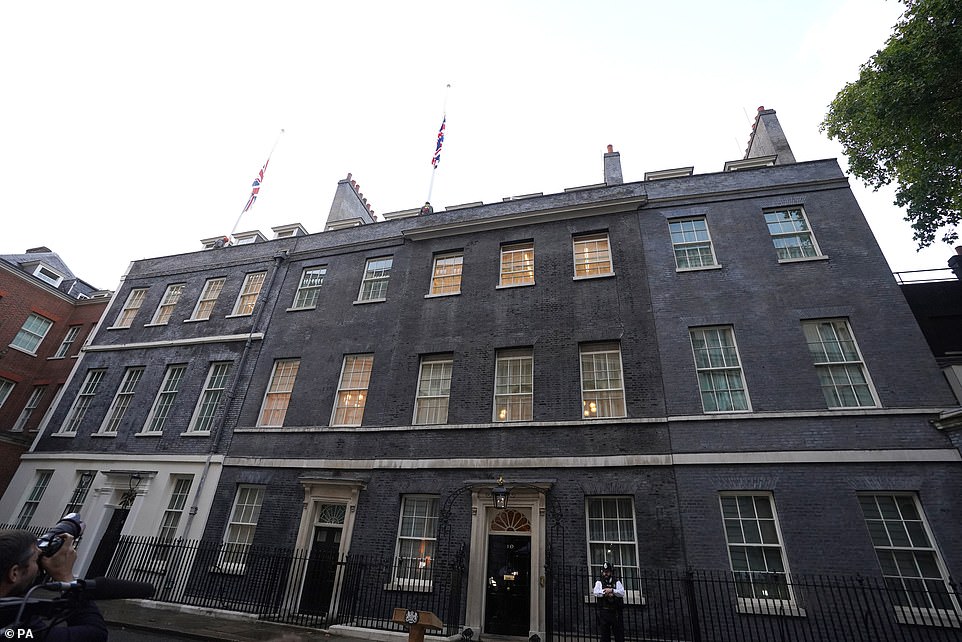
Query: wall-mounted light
x=499, y=494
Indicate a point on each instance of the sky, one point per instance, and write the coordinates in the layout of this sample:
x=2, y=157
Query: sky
x=131, y=130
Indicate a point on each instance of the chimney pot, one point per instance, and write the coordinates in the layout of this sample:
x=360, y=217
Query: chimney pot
x=610, y=149
x=761, y=108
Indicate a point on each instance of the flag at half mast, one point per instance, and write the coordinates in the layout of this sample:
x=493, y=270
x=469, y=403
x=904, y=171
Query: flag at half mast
x=437, y=152
x=256, y=186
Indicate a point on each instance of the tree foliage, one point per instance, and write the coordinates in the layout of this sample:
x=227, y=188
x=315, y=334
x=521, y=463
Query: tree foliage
x=901, y=121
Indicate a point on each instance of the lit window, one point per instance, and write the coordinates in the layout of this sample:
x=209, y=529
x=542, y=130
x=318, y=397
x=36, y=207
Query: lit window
x=434, y=390
x=28, y=409
x=719, y=370
x=446, y=275
x=210, y=398
x=165, y=399
x=352, y=390
x=754, y=547
x=791, y=234
x=67, y=342
x=513, y=385
x=691, y=243
x=85, y=479
x=914, y=571
x=416, y=541
x=248, y=295
x=841, y=372
x=240, y=529
x=167, y=304
x=134, y=300
x=377, y=275
x=592, y=255
x=309, y=287
x=33, y=499
x=6, y=387
x=207, y=299
x=517, y=264
x=602, y=386
x=171, y=519
x=278, y=395
x=121, y=402
x=31, y=334
x=612, y=538
x=84, y=398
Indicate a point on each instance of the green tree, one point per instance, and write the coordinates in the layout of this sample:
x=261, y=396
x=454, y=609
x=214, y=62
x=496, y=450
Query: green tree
x=901, y=121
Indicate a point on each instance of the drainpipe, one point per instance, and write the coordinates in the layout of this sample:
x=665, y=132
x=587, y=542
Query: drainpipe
x=219, y=429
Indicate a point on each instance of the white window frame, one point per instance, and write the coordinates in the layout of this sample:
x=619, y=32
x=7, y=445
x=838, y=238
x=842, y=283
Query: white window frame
x=513, y=385
x=85, y=479
x=165, y=399
x=886, y=539
x=32, y=333
x=68, y=339
x=170, y=519
x=241, y=528
x=207, y=299
x=277, y=397
x=249, y=293
x=719, y=358
x=433, y=396
x=595, y=395
x=85, y=395
x=121, y=401
x=218, y=376
x=446, y=274
x=35, y=396
x=346, y=404
x=794, y=225
x=167, y=303
x=32, y=501
x=309, y=288
x=629, y=570
x=135, y=300
x=376, y=279
x=830, y=370
x=418, y=527
x=517, y=265
x=6, y=387
x=49, y=275
x=688, y=240
x=766, y=527
x=590, y=260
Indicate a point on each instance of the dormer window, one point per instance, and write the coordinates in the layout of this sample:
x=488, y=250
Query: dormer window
x=46, y=274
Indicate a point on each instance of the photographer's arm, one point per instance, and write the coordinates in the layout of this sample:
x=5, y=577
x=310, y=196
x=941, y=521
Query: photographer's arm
x=84, y=623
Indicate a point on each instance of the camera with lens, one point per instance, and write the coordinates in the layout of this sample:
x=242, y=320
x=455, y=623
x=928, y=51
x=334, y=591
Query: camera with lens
x=50, y=542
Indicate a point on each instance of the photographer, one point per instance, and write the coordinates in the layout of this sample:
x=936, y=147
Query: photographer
x=20, y=562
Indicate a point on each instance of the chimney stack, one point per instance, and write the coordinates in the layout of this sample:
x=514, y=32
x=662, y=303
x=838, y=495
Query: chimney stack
x=613, y=167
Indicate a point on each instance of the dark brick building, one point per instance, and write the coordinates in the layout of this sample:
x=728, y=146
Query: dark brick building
x=693, y=370
x=46, y=314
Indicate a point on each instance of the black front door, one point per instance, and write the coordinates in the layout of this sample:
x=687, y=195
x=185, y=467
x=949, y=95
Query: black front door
x=508, y=604
x=108, y=544
x=321, y=570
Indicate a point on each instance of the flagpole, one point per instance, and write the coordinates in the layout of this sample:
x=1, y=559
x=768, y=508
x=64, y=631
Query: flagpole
x=244, y=211
x=444, y=120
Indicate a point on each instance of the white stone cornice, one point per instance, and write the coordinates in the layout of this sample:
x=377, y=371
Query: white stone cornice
x=172, y=343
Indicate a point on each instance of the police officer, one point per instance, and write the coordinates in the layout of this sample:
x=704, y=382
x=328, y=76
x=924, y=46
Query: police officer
x=610, y=594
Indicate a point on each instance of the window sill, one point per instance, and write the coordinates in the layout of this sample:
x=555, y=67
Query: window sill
x=746, y=411
x=156, y=433
x=750, y=606
x=409, y=587
x=64, y=434
x=313, y=307
x=27, y=352
x=843, y=408
x=441, y=296
x=590, y=277
x=56, y=358
x=699, y=269
x=103, y=434
x=119, y=327
x=927, y=617
x=513, y=285
x=805, y=259
x=360, y=302
x=195, y=433
x=154, y=325
x=195, y=320
x=237, y=316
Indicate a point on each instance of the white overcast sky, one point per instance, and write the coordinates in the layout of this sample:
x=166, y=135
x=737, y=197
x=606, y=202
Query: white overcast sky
x=133, y=129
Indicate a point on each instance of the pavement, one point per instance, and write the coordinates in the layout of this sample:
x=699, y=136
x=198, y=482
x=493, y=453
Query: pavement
x=212, y=624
